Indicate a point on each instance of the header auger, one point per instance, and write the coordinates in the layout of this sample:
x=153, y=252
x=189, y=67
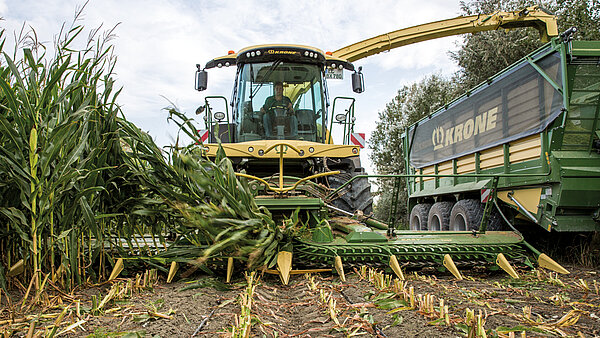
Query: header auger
x=279, y=139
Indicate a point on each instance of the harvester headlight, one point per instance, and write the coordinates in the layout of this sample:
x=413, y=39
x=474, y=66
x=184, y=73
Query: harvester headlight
x=227, y=64
x=248, y=54
x=250, y=149
x=311, y=150
x=311, y=54
x=301, y=153
x=261, y=152
x=305, y=53
x=333, y=65
x=257, y=53
x=219, y=65
x=252, y=54
x=341, y=67
x=316, y=55
x=355, y=151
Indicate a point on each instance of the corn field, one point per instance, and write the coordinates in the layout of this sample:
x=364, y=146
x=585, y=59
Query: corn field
x=80, y=185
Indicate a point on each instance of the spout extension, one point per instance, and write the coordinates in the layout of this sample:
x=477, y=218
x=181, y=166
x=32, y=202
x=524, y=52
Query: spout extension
x=567, y=35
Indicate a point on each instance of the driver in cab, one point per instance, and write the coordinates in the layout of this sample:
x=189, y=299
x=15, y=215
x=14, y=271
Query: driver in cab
x=273, y=106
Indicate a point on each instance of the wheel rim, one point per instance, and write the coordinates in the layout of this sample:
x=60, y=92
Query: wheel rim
x=435, y=224
x=415, y=224
x=459, y=223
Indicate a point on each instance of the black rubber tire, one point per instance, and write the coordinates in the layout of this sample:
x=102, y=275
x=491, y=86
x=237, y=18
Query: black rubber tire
x=356, y=195
x=438, y=218
x=418, y=217
x=466, y=216
x=495, y=221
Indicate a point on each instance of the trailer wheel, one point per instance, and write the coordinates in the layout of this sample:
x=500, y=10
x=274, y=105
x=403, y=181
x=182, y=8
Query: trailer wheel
x=466, y=215
x=418, y=216
x=439, y=216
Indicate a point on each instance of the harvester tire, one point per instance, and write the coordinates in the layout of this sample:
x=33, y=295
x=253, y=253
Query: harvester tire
x=439, y=216
x=418, y=217
x=356, y=195
x=466, y=216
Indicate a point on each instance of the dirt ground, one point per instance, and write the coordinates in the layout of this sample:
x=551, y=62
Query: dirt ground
x=369, y=303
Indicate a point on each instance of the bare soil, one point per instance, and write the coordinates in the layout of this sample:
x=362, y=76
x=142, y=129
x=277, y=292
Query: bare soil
x=539, y=303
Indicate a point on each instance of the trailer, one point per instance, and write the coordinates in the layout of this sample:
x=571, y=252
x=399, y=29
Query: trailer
x=529, y=136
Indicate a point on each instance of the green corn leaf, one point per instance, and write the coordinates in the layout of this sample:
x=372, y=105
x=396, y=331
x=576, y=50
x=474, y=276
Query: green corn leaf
x=64, y=234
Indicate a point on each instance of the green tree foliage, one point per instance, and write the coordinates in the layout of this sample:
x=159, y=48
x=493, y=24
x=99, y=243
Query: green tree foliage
x=411, y=104
x=484, y=54
x=582, y=14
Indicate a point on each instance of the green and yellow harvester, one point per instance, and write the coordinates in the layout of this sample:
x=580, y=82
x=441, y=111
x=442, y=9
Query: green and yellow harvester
x=287, y=154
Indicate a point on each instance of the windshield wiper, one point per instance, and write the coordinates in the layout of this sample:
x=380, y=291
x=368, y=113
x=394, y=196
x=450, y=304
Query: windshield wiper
x=271, y=69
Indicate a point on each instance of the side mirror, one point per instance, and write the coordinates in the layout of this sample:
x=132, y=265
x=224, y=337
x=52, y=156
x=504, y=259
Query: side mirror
x=340, y=117
x=358, y=81
x=201, y=79
x=219, y=116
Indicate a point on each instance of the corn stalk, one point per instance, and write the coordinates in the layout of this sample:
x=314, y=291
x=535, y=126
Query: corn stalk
x=58, y=123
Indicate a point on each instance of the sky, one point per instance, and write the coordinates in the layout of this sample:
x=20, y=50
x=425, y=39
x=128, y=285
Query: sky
x=158, y=43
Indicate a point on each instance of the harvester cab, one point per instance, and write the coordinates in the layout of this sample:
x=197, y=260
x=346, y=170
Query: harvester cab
x=278, y=133
x=259, y=112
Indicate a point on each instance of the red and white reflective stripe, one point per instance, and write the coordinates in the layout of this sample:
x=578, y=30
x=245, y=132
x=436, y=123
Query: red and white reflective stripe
x=486, y=194
x=358, y=139
x=203, y=135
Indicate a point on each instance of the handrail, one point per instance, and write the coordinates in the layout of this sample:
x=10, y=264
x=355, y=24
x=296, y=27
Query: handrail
x=348, y=123
x=281, y=189
x=209, y=120
x=433, y=175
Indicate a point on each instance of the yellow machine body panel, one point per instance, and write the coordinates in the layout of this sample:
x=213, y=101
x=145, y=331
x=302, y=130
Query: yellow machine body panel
x=528, y=197
x=520, y=150
x=268, y=149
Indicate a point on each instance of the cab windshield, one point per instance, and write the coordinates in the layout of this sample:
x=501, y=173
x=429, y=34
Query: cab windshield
x=281, y=101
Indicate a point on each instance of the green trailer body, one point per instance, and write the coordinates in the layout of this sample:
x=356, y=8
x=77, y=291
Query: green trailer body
x=537, y=123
